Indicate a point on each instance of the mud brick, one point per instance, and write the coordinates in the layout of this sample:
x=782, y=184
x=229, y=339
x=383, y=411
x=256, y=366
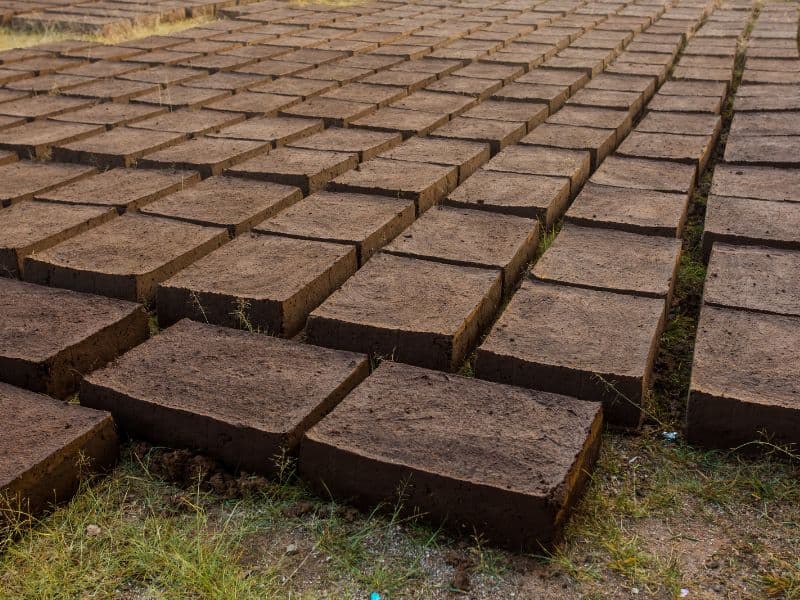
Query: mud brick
x=107, y=68
x=334, y=74
x=48, y=447
x=530, y=114
x=165, y=76
x=265, y=377
x=274, y=68
x=410, y=80
x=744, y=379
x=9, y=75
x=777, y=151
x=658, y=72
x=692, y=149
x=209, y=156
x=751, y=76
x=40, y=107
x=594, y=345
x=406, y=122
x=313, y=56
x=177, y=96
x=122, y=146
x=163, y=57
x=553, y=96
x=604, y=118
x=440, y=67
x=35, y=140
x=471, y=238
x=644, y=174
x=692, y=104
x=270, y=282
x=694, y=88
x=309, y=170
x=498, y=134
x=434, y=102
x=573, y=80
x=761, y=123
x=7, y=157
x=233, y=203
x=681, y=123
x=531, y=196
x=151, y=42
x=190, y=122
x=765, y=183
x=408, y=445
x=366, y=144
x=50, y=337
x=624, y=83
x=467, y=156
x=588, y=65
x=426, y=184
x=9, y=95
x=535, y=160
x=407, y=51
x=253, y=104
x=747, y=99
x=647, y=212
x=365, y=221
x=30, y=227
x=466, y=86
x=331, y=111
x=124, y=258
x=48, y=84
x=373, y=311
x=630, y=102
x=21, y=180
x=371, y=62
x=43, y=65
x=379, y=95
x=104, y=52
x=748, y=221
x=114, y=90
x=234, y=82
x=613, y=261
x=294, y=86
x=479, y=70
x=754, y=278
x=278, y=131
x=598, y=142
x=110, y=114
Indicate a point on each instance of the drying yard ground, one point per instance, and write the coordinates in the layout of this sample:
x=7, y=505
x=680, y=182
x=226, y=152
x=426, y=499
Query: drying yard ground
x=566, y=196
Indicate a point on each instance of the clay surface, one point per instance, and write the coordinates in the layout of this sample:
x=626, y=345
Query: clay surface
x=123, y=189
x=21, y=180
x=529, y=113
x=32, y=226
x=744, y=379
x=124, y=258
x=754, y=278
x=643, y=174
x=498, y=134
x=232, y=202
x=604, y=118
x=278, y=131
x=590, y=344
x=240, y=397
x=269, y=282
x=424, y=183
x=48, y=446
x=367, y=144
x=406, y=122
x=639, y=211
x=467, y=156
x=532, y=196
x=694, y=149
x=777, y=151
x=331, y=110
x=366, y=221
x=309, y=170
x=49, y=337
x=598, y=142
x=553, y=162
x=120, y=147
x=528, y=452
x=207, y=155
x=615, y=261
x=765, y=183
x=416, y=311
x=471, y=238
x=746, y=221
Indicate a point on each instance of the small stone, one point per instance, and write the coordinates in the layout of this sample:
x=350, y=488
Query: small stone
x=291, y=549
x=93, y=530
